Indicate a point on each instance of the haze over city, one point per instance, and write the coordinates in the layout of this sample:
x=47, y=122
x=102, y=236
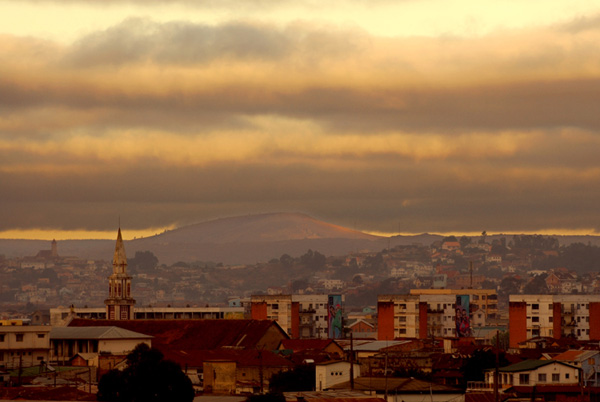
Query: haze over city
x=380, y=116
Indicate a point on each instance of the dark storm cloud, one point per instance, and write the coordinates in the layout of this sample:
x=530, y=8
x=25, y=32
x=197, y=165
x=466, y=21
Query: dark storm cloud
x=531, y=105
x=414, y=197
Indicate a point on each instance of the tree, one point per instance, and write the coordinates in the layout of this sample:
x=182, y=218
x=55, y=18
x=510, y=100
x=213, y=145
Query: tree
x=148, y=377
x=301, y=378
x=286, y=260
x=144, y=261
x=481, y=360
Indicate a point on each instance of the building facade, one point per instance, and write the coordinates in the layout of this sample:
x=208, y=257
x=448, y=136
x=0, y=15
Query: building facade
x=483, y=303
x=416, y=316
x=23, y=346
x=301, y=316
x=554, y=316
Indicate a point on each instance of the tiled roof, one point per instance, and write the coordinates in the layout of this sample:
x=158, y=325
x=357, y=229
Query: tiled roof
x=531, y=364
x=243, y=358
x=107, y=332
x=194, y=334
x=397, y=385
x=305, y=344
x=575, y=355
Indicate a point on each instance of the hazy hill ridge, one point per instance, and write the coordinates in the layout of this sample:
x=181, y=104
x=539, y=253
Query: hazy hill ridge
x=242, y=240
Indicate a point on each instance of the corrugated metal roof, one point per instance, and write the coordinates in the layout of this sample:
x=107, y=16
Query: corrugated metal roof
x=95, y=333
x=396, y=385
x=336, y=395
x=371, y=346
x=531, y=364
x=576, y=355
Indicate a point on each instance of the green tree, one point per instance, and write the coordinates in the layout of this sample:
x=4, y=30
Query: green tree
x=144, y=261
x=301, y=378
x=148, y=377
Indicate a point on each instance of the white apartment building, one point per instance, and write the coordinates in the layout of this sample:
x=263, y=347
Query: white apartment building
x=555, y=316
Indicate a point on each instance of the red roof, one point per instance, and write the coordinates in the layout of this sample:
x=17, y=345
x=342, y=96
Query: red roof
x=194, y=334
x=243, y=358
x=305, y=344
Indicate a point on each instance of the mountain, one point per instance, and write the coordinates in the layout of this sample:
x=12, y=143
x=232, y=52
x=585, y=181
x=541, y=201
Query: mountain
x=236, y=240
x=254, y=238
x=242, y=240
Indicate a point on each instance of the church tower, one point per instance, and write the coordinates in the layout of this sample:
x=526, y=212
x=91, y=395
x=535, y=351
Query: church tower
x=119, y=305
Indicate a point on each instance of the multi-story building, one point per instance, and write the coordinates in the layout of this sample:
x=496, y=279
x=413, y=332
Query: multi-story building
x=24, y=346
x=554, y=316
x=416, y=316
x=313, y=315
x=301, y=316
x=483, y=303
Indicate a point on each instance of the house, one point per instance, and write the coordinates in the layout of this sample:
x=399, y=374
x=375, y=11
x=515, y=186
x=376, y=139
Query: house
x=328, y=346
x=67, y=342
x=333, y=373
x=361, y=328
x=187, y=341
x=534, y=372
x=229, y=370
x=404, y=389
x=23, y=345
x=587, y=360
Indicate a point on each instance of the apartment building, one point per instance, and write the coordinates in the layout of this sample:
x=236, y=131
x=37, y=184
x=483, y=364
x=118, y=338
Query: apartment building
x=483, y=303
x=301, y=316
x=554, y=316
x=416, y=316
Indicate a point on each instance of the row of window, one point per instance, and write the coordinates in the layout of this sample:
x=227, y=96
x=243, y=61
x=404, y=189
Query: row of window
x=536, y=306
x=542, y=378
x=19, y=337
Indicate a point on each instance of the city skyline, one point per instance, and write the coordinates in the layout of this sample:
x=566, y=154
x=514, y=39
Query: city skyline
x=384, y=117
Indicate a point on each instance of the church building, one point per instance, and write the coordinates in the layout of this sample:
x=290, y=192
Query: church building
x=119, y=305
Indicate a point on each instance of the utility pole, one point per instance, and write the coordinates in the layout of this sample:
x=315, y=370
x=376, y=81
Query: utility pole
x=351, y=361
x=386, y=377
x=497, y=369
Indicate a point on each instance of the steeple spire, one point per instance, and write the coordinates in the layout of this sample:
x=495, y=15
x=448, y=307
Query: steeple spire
x=119, y=259
x=119, y=305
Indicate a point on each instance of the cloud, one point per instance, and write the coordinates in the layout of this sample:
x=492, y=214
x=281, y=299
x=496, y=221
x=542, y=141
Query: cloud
x=161, y=122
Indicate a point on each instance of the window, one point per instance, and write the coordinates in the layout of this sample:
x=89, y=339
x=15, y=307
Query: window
x=541, y=377
x=41, y=336
x=402, y=318
x=535, y=319
x=535, y=306
x=523, y=379
x=550, y=307
x=275, y=306
x=555, y=377
x=19, y=337
x=551, y=319
x=403, y=331
x=567, y=376
x=1, y=337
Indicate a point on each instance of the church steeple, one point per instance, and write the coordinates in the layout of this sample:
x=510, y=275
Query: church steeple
x=119, y=305
x=119, y=259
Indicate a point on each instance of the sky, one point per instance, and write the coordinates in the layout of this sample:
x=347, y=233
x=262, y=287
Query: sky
x=404, y=116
